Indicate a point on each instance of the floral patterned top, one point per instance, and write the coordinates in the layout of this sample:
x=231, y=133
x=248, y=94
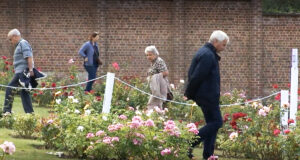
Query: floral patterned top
x=157, y=66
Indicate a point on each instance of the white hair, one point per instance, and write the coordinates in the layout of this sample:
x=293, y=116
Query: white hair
x=151, y=49
x=14, y=32
x=219, y=36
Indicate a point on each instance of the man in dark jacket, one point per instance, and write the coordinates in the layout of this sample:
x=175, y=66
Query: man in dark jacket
x=204, y=88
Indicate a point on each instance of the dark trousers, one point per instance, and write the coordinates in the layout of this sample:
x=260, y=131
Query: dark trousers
x=208, y=133
x=92, y=70
x=9, y=96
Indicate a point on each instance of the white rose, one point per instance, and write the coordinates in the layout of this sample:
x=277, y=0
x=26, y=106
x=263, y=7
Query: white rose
x=58, y=101
x=80, y=128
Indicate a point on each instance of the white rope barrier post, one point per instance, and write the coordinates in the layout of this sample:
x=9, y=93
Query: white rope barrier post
x=284, y=107
x=110, y=79
x=294, y=85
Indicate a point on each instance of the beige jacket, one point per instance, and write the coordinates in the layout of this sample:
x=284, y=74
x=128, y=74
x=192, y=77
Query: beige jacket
x=159, y=88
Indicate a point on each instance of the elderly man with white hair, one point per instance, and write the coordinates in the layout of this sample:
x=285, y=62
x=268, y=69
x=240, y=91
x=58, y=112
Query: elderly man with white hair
x=158, y=73
x=23, y=59
x=204, y=88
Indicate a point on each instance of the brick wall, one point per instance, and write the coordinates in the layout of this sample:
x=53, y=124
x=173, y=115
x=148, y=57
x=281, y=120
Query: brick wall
x=257, y=57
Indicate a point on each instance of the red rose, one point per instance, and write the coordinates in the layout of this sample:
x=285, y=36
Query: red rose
x=65, y=88
x=277, y=97
x=276, y=132
x=249, y=120
x=233, y=124
x=226, y=117
x=238, y=115
x=71, y=93
x=86, y=92
x=98, y=98
x=197, y=124
x=275, y=86
x=53, y=85
x=291, y=121
x=6, y=62
x=4, y=57
x=72, y=77
x=235, y=127
x=41, y=92
x=43, y=84
x=92, y=92
x=66, y=94
x=287, y=131
x=299, y=107
x=35, y=94
x=116, y=66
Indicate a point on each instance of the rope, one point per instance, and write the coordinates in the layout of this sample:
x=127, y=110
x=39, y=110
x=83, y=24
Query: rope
x=188, y=104
x=52, y=88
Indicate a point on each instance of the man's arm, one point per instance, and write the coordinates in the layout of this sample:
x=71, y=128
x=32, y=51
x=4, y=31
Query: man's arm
x=28, y=55
x=30, y=65
x=201, y=71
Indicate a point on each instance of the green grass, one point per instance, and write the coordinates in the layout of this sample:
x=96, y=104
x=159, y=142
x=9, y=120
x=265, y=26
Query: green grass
x=18, y=107
x=28, y=149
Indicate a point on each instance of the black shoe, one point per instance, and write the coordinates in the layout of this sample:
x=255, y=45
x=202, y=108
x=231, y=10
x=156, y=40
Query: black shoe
x=190, y=153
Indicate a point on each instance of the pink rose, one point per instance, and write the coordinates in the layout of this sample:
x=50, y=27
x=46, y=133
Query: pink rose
x=123, y=117
x=50, y=121
x=71, y=61
x=262, y=112
x=165, y=151
x=135, y=124
x=100, y=133
x=140, y=135
x=107, y=140
x=194, y=130
x=90, y=135
x=8, y=147
x=149, y=123
x=116, y=66
x=113, y=139
x=136, y=142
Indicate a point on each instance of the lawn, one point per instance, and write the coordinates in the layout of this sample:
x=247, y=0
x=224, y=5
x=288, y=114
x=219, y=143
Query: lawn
x=28, y=149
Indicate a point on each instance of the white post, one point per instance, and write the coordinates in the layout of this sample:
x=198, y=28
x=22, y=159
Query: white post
x=283, y=103
x=110, y=79
x=294, y=85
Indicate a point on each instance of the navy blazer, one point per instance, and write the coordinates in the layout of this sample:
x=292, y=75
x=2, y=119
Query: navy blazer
x=203, y=84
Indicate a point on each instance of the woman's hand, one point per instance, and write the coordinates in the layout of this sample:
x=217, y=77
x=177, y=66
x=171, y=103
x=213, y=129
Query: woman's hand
x=99, y=62
x=86, y=59
x=165, y=73
x=185, y=98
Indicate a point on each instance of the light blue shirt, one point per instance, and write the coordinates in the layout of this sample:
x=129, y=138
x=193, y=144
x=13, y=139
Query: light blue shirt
x=23, y=50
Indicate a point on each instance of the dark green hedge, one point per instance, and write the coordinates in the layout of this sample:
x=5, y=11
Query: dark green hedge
x=281, y=6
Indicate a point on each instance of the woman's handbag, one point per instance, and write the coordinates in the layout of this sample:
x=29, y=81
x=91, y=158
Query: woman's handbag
x=170, y=95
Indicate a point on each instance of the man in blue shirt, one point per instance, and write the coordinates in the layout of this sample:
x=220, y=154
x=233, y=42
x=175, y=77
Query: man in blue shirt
x=23, y=58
